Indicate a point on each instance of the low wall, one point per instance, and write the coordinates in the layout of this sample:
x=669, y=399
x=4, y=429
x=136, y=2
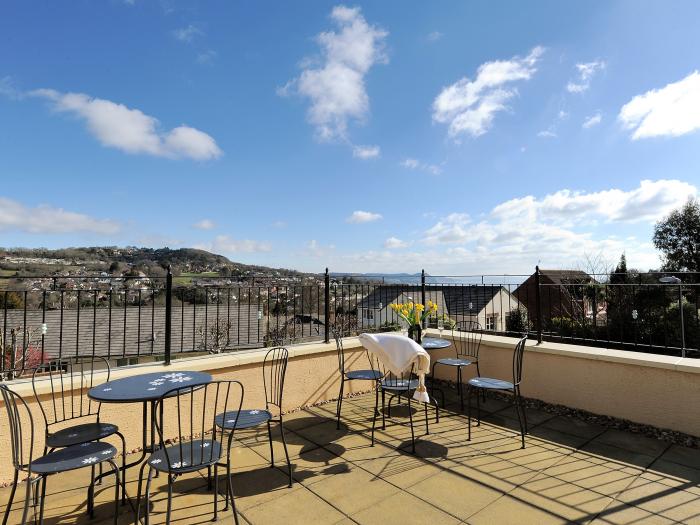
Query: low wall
x=644, y=388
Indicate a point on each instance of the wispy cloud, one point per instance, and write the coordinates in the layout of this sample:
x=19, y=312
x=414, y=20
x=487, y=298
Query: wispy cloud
x=470, y=106
x=434, y=36
x=586, y=71
x=204, y=224
x=414, y=164
x=315, y=249
x=187, y=34
x=671, y=111
x=334, y=83
x=366, y=152
x=359, y=217
x=206, y=57
x=130, y=130
x=394, y=243
x=227, y=244
x=46, y=219
x=547, y=133
x=593, y=120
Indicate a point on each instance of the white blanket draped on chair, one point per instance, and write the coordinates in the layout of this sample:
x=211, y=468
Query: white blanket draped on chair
x=399, y=353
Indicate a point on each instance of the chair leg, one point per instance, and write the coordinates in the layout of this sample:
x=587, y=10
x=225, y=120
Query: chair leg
x=483, y=390
x=43, y=499
x=27, y=498
x=11, y=498
x=229, y=492
x=374, y=416
x=209, y=480
x=116, y=490
x=520, y=411
x=469, y=412
x=410, y=418
x=383, y=410
x=460, y=388
x=272, y=450
x=339, y=403
x=123, y=475
x=91, y=494
x=522, y=404
x=170, y=499
x=138, y=490
x=216, y=491
x=425, y=407
x=146, y=497
x=286, y=453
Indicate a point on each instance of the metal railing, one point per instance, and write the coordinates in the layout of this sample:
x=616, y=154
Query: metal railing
x=46, y=319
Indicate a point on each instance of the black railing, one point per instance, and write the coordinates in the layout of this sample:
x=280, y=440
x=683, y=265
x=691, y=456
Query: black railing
x=44, y=320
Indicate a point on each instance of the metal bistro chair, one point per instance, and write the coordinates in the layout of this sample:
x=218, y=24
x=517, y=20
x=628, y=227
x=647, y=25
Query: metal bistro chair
x=487, y=383
x=398, y=386
x=371, y=374
x=90, y=454
x=68, y=379
x=274, y=371
x=466, y=339
x=188, y=414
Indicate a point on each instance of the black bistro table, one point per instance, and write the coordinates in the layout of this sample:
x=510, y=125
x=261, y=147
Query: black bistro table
x=434, y=343
x=145, y=389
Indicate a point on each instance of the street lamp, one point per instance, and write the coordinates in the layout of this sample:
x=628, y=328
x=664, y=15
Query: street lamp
x=671, y=279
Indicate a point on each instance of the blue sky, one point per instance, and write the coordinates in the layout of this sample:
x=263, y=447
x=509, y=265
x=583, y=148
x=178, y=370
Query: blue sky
x=460, y=137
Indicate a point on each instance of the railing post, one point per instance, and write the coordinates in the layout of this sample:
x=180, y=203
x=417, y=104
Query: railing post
x=168, y=312
x=327, y=307
x=422, y=290
x=538, y=304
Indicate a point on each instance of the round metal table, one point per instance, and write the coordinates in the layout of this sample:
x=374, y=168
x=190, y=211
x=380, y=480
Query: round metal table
x=145, y=389
x=434, y=343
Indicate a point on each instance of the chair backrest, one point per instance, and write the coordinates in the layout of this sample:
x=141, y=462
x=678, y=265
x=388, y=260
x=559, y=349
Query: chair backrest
x=70, y=379
x=274, y=371
x=466, y=338
x=518, y=354
x=341, y=352
x=188, y=414
x=21, y=427
x=388, y=377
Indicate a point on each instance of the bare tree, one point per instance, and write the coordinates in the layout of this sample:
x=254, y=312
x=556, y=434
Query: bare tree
x=214, y=337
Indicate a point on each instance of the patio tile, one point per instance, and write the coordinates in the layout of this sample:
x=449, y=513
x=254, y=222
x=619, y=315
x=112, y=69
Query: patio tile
x=299, y=505
x=400, y=509
x=614, y=453
x=455, y=494
x=354, y=490
x=632, y=442
x=575, y=426
x=659, y=498
x=534, y=417
x=620, y=514
x=688, y=457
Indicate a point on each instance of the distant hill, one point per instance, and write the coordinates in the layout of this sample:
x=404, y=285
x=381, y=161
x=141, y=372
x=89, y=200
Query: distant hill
x=117, y=260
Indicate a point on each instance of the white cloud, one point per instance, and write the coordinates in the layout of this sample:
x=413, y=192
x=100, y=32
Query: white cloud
x=131, y=130
x=206, y=57
x=15, y=216
x=227, y=244
x=279, y=224
x=204, y=224
x=359, y=217
x=366, y=152
x=314, y=249
x=593, y=120
x=415, y=164
x=434, y=36
x=393, y=243
x=557, y=229
x=470, y=106
x=547, y=134
x=335, y=83
x=187, y=34
x=672, y=111
x=586, y=72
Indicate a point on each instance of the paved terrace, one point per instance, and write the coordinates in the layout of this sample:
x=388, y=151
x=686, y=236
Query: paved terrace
x=571, y=471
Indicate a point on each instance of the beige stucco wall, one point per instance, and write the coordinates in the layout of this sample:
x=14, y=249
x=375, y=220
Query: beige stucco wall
x=644, y=388
x=656, y=390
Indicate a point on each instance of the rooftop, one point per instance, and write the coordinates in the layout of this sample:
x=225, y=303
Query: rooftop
x=570, y=471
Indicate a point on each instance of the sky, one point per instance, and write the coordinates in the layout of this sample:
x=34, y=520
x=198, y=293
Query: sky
x=460, y=137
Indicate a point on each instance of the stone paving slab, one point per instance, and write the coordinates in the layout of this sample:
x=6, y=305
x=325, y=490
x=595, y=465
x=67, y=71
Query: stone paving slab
x=571, y=471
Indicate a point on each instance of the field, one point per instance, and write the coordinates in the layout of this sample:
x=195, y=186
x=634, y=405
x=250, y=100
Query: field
x=185, y=278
